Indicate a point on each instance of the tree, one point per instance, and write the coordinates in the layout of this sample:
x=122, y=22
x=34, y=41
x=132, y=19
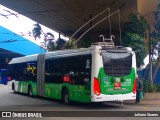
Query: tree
x=36, y=31
x=155, y=38
x=133, y=36
x=155, y=34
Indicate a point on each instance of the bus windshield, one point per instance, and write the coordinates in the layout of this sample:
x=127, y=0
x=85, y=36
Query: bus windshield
x=117, y=64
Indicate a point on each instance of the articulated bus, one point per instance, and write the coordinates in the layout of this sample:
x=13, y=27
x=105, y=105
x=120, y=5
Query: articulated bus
x=95, y=74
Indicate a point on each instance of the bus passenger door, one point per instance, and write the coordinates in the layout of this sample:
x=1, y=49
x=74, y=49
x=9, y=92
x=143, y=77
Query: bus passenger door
x=40, y=74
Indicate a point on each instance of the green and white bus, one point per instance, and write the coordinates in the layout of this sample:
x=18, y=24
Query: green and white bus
x=99, y=73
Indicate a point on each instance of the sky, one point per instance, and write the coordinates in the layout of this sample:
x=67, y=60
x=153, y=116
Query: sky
x=22, y=25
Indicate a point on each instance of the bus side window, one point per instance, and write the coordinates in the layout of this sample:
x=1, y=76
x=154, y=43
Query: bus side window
x=81, y=70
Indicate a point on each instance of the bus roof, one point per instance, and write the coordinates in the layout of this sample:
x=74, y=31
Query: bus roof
x=59, y=53
x=24, y=59
x=71, y=52
x=64, y=53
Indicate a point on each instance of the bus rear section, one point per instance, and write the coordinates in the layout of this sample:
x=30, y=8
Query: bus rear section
x=113, y=74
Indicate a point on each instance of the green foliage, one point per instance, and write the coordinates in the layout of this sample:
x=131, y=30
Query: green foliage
x=137, y=24
x=150, y=88
x=155, y=35
x=136, y=42
x=157, y=11
x=145, y=86
x=86, y=43
x=70, y=44
x=52, y=47
x=133, y=36
x=36, y=31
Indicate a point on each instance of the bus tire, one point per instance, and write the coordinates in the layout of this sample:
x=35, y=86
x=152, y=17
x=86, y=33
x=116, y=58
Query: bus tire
x=30, y=92
x=65, y=96
x=5, y=83
x=13, y=88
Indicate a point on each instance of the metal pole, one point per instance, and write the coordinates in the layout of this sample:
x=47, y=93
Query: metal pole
x=151, y=72
x=149, y=45
x=150, y=55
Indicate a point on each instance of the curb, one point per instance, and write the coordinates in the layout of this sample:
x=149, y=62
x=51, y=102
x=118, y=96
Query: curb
x=151, y=96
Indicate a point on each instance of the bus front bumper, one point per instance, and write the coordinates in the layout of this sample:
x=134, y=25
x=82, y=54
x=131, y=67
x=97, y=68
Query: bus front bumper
x=119, y=97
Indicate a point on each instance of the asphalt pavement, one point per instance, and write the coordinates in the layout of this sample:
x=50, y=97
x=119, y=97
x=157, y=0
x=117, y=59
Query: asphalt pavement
x=20, y=102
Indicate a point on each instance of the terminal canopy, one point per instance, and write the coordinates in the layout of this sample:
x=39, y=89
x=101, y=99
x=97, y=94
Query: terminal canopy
x=66, y=16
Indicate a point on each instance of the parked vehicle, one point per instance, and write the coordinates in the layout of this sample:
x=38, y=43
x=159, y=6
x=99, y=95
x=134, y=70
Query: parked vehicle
x=4, y=78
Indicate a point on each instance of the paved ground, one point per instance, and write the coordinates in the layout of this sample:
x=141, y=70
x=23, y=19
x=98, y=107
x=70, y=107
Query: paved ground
x=20, y=102
x=145, y=103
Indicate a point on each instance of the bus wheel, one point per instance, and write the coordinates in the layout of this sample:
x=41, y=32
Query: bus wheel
x=30, y=93
x=5, y=83
x=13, y=87
x=65, y=96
